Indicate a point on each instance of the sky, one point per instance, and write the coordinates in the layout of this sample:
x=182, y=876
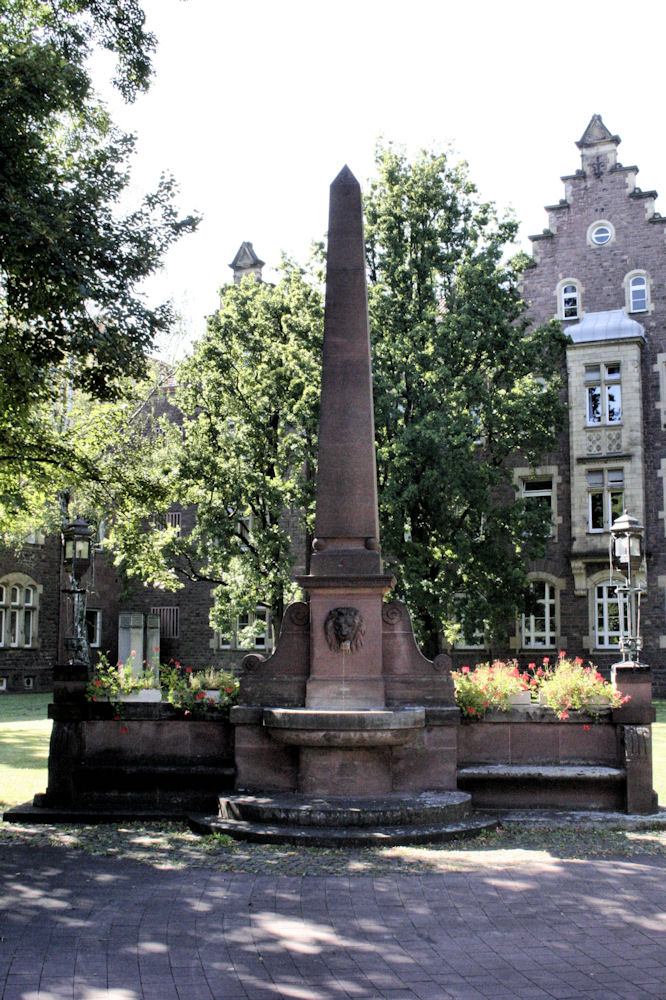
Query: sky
x=255, y=107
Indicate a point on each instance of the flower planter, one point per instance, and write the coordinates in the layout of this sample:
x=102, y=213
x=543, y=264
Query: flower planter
x=521, y=698
x=213, y=694
x=146, y=694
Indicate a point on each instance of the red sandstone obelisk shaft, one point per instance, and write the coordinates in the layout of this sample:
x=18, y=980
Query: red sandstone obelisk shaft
x=347, y=523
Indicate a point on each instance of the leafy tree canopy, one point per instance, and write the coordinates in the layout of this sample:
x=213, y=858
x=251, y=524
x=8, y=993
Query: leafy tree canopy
x=463, y=385
x=74, y=327
x=249, y=395
x=70, y=260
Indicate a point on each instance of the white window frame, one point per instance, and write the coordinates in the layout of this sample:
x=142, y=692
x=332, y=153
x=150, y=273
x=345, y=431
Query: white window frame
x=529, y=635
x=261, y=641
x=610, y=483
x=595, y=227
x=603, y=382
x=95, y=625
x=605, y=599
x=530, y=489
x=19, y=612
x=568, y=297
x=633, y=281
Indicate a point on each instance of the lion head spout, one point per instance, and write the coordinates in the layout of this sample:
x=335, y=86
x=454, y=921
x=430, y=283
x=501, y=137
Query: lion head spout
x=344, y=629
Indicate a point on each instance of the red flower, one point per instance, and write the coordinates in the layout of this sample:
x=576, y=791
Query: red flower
x=116, y=718
x=465, y=669
x=97, y=684
x=531, y=666
x=586, y=726
x=578, y=661
x=564, y=715
x=540, y=672
x=156, y=649
x=471, y=710
x=200, y=695
x=188, y=670
x=546, y=659
x=228, y=690
x=562, y=653
x=123, y=729
x=485, y=704
x=515, y=672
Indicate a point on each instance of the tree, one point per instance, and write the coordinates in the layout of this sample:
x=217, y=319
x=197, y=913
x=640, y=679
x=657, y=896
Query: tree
x=462, y=385
x=250, y=395
x=70, y=260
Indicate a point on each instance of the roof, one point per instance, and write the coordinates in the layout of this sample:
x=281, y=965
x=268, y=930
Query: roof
x=614, y=324
x=595, y=133
x=246, y=257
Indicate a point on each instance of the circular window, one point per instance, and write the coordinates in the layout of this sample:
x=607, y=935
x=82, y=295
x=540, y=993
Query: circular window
x=600, y=233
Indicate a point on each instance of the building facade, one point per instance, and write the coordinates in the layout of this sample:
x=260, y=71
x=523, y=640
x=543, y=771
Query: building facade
x=600, y=268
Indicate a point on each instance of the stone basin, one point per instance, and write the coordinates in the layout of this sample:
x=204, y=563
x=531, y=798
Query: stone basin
x=340, y=728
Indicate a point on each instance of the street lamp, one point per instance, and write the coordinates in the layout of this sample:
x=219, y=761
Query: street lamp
x=77, y=540
x=626, y=556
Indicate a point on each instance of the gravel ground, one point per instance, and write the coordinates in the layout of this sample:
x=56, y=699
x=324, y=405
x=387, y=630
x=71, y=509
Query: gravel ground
x=170, y=846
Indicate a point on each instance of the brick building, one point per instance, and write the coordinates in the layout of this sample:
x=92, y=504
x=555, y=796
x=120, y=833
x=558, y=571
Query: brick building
x=600, y=268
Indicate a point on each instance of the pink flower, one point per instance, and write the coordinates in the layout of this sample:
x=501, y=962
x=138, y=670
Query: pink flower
x=133, y=653
x=465, y=669
x=546, y=659
x=564, y=715
x=562, y=653
x=540, y=672
x=578, y=661
x=531, y=666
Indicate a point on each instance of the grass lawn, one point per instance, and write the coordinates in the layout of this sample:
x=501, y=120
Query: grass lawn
x=24, y=746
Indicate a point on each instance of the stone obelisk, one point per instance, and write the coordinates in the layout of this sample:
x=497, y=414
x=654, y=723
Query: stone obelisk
x=346, y=582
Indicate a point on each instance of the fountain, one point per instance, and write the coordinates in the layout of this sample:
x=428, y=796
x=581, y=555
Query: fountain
x=346, y=733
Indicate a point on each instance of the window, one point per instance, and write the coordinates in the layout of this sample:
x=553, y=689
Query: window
x=94, y=626
x=174, y=519
x=603, y=394
x=539, y=626
x=569, y=301
x=251, y=631
x=169, y=622
x=538, y=494
x=605, y=494
x=607, y=616
x=18, y=613
x=600, y=233
x=638, y=293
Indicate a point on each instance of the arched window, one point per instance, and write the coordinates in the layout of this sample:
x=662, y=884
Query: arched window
x=539, y=625
x=569, y=299
x=638, y=293
x=19, y=600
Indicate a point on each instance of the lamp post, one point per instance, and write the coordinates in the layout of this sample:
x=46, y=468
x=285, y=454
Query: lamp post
x=77, y=557
x=626, y=556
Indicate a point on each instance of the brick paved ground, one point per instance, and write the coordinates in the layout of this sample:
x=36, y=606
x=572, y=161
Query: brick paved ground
x=81, y=927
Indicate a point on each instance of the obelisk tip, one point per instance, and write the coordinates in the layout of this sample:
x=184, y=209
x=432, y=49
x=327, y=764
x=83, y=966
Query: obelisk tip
x=345, y=177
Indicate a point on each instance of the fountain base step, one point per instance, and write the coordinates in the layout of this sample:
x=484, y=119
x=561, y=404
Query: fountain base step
x=350, y=822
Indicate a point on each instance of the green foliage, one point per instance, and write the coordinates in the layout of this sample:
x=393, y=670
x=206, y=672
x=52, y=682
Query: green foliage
x=572, y=686
x=71, y=260
x=488, y=687
x=186, y=689
x=250, y=396
x=462, y=384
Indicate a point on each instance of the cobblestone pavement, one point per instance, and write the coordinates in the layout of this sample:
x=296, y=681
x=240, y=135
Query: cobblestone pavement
x=84, y=927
